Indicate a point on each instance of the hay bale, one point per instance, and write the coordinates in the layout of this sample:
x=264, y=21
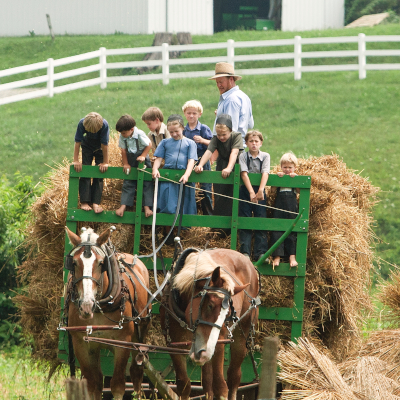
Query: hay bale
x=368, y=375
x=338, y=262
x=311, y=374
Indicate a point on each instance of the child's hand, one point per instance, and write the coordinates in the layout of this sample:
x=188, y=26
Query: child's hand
x=103, y=167
x=280, y=174
x=127, y=168
x=140, y=159
x=198, y=169
x=184, y=178
x=197, y=138
x=226, y=172
x=253, y=197
x=260, y=194
x=156, y=173
x=292, y=174
x=77, y=166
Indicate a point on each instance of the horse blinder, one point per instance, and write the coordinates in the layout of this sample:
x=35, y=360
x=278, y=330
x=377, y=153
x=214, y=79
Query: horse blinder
x=69, y=263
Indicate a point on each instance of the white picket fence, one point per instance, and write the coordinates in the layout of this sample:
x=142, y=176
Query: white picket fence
x=361, y=54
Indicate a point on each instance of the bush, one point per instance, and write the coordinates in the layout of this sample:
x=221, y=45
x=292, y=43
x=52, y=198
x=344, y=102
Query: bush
x=357, y=8
x=14, y=212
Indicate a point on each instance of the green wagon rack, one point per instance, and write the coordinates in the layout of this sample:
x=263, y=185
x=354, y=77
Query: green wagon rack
x=294, y=315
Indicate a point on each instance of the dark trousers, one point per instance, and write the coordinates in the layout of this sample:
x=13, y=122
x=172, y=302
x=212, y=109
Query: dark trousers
x=285, y=201
x=245, y=235
x=129, y=186
x=222, y=205
x=206, y=201
x=91, y=191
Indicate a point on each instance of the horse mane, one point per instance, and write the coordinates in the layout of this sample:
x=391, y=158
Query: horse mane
x=93, y=236
x=204, y=265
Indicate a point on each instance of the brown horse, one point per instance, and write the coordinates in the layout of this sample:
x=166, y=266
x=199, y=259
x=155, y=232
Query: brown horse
x=215, y=293
x=113, y=294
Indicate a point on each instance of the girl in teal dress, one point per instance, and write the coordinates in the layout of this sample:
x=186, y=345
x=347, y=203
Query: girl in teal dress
x=178, y=152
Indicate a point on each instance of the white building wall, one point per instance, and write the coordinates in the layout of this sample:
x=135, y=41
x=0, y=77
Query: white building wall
x=305, y=15
x=194, y=16
x=83, y=17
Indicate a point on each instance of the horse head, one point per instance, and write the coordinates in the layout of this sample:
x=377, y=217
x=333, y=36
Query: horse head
x=87, y=259
x=211, y=305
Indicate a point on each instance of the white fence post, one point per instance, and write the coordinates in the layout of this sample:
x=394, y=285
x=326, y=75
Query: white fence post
x=362, y=58
x=297, y=58
x=50, y=77
x=231, y=52
x=165, y=64
x=103, y=68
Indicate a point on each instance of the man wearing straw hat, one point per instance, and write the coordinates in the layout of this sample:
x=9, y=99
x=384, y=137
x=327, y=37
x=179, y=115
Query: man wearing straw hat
x=232, y=101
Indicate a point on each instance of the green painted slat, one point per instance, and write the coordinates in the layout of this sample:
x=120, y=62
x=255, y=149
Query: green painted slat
x=281, y=313
x=138, y=210
x=272, y=224
x=235, y=207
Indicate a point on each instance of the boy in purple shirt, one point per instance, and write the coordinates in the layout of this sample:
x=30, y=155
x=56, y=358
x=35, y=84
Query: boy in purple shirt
x=202, y=135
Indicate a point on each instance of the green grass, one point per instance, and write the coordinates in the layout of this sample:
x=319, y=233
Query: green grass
x=20, y=379
x=320, y=114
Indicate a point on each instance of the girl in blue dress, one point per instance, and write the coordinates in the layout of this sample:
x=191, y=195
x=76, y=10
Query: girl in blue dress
x=178, y=152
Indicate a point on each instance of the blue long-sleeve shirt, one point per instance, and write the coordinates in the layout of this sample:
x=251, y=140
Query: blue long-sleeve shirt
x=237, y=104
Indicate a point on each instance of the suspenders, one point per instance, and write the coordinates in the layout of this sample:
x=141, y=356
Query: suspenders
x=248, y=162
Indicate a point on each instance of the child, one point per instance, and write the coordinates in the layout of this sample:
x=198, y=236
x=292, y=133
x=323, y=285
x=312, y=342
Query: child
x=229, y=145
x=286, y=199
x=153, y=118
x=178, y=153
x=257, y=162
x=92, y=134
x=202, y=135
x=135, y=147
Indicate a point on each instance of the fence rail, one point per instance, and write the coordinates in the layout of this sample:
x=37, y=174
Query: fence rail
x=297, y=55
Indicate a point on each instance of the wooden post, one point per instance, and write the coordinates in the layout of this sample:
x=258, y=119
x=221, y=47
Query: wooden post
x=267, y=390
x=76, y=389
x=297, y=58
x=156, y=379
x=50, y=27
x=362, y=58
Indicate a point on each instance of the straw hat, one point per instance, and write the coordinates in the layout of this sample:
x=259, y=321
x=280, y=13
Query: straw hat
x=225, y=69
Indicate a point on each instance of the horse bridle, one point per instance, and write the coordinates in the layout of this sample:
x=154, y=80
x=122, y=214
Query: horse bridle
x=69, y=264
x=226, y=303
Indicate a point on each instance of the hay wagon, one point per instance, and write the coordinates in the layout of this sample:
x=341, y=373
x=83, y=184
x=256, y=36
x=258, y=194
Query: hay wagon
x=292, y=315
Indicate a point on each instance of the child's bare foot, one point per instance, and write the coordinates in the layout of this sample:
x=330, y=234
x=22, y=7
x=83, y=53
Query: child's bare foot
x=97, y=208
x=147, y=211
x=292, y=261
x=85, y=206
x=121, y=210
x=276, y=261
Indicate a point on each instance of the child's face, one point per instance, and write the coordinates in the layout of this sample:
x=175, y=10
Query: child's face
x=288, y=168
x=254, y=143
x=192, y=115
x=223, y=132
x=176, y=131
x=127, y=134
x=153, y=125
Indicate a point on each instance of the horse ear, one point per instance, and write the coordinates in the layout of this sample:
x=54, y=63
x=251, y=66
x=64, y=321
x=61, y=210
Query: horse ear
x=103, y=237
x=238, y=289
x=216, y=277
x=73, y=238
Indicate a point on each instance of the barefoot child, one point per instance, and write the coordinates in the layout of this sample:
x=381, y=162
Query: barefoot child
x=286, y=199
x=229, y=145
x=178, y=153
x=135, y=147
x=92, y=134
x=253, y=162
x=202, y=135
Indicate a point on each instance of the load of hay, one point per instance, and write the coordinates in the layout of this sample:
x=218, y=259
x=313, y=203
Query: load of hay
x=338, y=262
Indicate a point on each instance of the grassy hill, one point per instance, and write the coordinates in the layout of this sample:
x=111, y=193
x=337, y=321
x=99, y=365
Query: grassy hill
x=320, y=114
